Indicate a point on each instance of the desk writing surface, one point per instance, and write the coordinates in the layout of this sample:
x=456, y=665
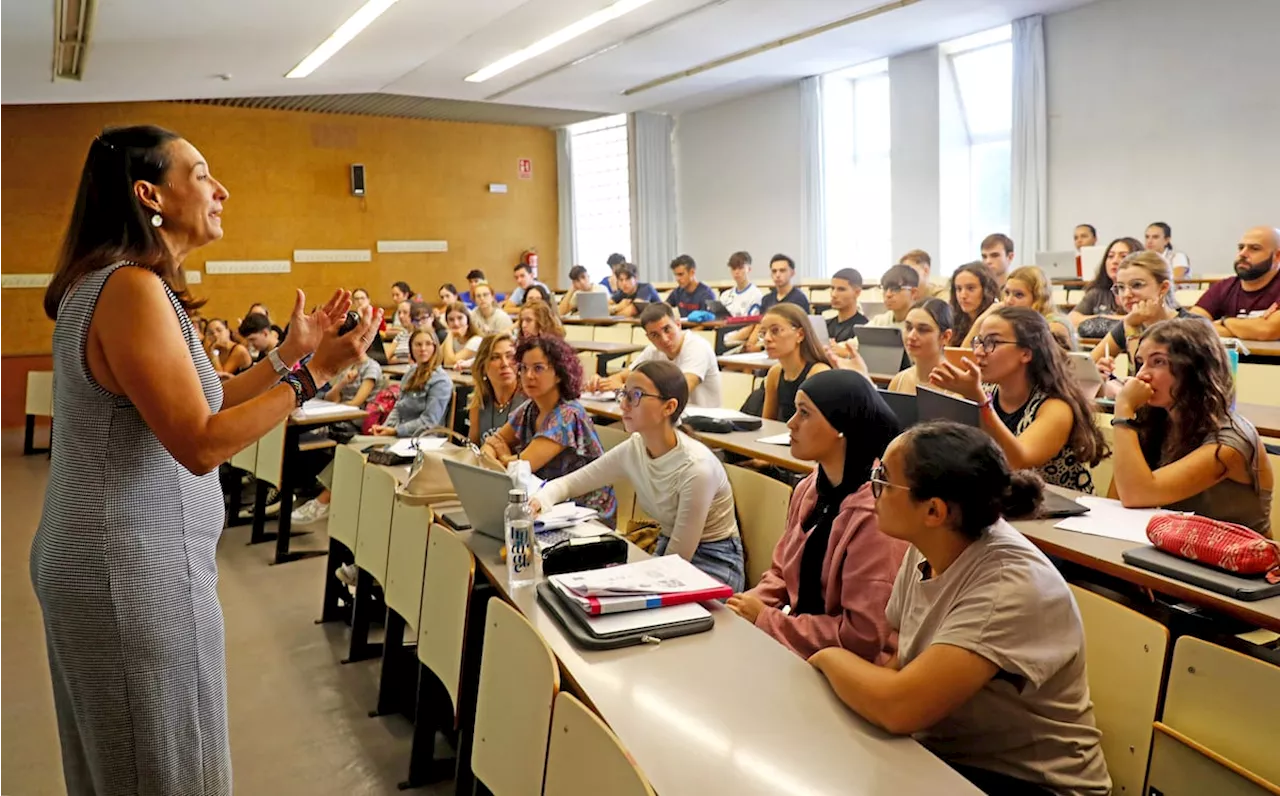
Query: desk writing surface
x=604, y=347
x=732, y=711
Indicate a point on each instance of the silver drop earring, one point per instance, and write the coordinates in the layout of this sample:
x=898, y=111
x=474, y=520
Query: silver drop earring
x=156, y=220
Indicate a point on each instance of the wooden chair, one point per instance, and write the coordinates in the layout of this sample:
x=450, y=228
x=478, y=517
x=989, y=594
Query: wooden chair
x=267, y=469
x=735, y=388
x=1218, y=731
x=762, y=504
x=344, y=522
x=373, y=535
x=39, y=404
x=707, y=334
x=1126, y=654
x=1275, y=495
x=1257, y=383
x=519, y=680
x=638, y=336
x=1104, y=470
x=610, y=438
x=406, y=562
x=585, y=758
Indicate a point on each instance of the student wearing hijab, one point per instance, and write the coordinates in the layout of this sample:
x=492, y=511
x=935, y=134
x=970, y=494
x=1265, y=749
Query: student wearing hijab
x=832, y=567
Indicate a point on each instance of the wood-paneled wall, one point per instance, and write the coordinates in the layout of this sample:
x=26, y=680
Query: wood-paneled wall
x=288, y=176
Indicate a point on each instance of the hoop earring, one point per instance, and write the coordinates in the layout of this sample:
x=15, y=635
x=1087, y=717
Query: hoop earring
x=157, y=220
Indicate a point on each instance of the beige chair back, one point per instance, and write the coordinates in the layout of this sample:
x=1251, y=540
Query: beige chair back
x=707, y=334
x=406, y=559
x=610, y=438
x=762, y=504
x=246, y=458
x=820, y=295
x=585, y=758
x=373, y=534
x=735, y=388
x=1275, y=495
x=1126, y=653
x=1257, y=383
x=446, y=598
x=579, y=331
x=638, y=336
x=1104, y=470
x=270, y=460
x=344, y=503
x=40, y=393
x=519, y=679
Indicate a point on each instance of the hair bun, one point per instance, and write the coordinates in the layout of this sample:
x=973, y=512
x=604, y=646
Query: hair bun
x=1024, y=494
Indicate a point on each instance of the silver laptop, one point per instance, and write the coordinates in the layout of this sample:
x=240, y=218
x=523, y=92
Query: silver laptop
x=819, y=326
x=881, y=348
x=1086, y=373
x=593, y=306
x=483, y=494
x=1058, y=265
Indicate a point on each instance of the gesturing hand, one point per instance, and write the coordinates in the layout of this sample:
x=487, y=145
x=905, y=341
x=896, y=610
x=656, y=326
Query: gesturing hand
x=966, y=382
x=336, y=352
x=306, y=330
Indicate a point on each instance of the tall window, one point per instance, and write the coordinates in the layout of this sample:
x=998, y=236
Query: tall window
x=601, y=192
x=857, y=180
x=977, y=199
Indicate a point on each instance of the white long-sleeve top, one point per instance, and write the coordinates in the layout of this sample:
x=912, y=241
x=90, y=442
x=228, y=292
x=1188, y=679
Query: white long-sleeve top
x=686, y=489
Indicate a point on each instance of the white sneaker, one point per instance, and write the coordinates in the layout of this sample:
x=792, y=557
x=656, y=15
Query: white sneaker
x=309, y=512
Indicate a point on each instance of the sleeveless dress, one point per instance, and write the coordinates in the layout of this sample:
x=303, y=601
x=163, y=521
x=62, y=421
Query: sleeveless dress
x=123, y=566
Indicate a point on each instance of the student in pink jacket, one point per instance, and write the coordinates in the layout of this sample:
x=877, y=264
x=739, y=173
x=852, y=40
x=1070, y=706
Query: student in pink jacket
x=832, y=570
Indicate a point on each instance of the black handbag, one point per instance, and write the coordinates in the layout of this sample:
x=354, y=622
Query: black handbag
x=584, y=552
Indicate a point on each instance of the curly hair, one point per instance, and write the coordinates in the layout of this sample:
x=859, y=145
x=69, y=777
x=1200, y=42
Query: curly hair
x=548, y=323
x=562, y=358
x=1203, y=389
x=990, y=292
x=1049, y=372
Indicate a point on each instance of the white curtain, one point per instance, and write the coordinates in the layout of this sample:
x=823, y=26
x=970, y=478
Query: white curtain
x=1030, y=140
x=653, y=209
x=813, y=251
x=564, y=190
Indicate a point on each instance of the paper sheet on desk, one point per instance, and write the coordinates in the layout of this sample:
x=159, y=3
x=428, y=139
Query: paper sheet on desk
x=749, y=359
x=563, y=515
x=716, y=412
x=657, y=575
x=316, y=408
x=776, y=439
x=410, y=446
x=1111, y=519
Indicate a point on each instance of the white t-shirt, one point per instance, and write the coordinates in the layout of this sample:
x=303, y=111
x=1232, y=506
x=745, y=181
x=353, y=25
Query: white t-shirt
x=573, y=294
x=885, y=320
x=742, y=302
x=696, y=356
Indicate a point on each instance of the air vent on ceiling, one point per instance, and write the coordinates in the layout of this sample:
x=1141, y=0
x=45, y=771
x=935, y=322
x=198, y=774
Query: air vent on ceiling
x=72, y=22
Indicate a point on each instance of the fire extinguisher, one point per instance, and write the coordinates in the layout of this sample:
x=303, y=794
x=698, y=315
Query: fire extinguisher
x=530, y=258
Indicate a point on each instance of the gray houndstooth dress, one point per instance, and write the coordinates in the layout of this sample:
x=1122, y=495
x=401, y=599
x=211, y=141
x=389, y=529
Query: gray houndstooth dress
x=123, y=565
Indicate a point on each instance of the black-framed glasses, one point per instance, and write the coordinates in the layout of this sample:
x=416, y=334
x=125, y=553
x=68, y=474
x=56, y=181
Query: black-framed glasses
x=879, y=482
x=635, y=395
x=989, y=343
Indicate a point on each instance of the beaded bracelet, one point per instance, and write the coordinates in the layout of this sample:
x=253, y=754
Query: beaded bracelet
x=303, y=384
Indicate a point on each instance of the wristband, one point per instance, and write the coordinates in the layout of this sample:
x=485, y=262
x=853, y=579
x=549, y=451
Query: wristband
x=304, y=386
x=277, y=364
x=984, y=403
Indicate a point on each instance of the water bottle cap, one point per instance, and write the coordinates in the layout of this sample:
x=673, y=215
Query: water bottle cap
x=517, y=496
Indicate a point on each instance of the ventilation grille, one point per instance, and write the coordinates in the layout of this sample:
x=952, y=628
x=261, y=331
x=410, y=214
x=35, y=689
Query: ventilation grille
x=409, y=107
x=72, y=22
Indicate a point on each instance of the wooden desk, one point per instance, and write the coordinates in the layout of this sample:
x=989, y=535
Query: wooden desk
x=729, y=711
x=759, y=367
x=1265, y=418
x=604, y=351
x=610, y=321
x=1079, y=282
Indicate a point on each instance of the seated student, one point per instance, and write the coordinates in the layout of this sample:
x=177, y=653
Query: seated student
x=537, y=320
x=610, y=281
x=551, y=431
x=997, y=256
x=1159, y=239
x=1244, y=306
x=474, y=277
x=1098, y=310
x=1143, y=285
x=579, y=282
x=678, y=481
x=448, y=294
x=524, y=281
x=228, y=356
x=260, y=308
x=846, y=288
x=920, y=260
x=356, y=384
x=990, y=672
x=401, y=292
x=360, y=300
x=690, y=295
x=788, y=339
x=425, y=392
x=668, y=342
x=258, y=333
x=927, y=330
x=497, y=390
x=973, y=292
x=630, y=291
x=1178, y=442
x=1029, y=287
x=741, y=300
x=397, y=350
x=1084, y=235
x=463, y=340
x=832, y=566
x=538, y=294
x=782, y=269
x=1036, y=411
x=900, y=285
x=487, y=316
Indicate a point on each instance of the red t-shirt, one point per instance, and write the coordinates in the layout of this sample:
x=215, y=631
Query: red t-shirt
x=1229, y=299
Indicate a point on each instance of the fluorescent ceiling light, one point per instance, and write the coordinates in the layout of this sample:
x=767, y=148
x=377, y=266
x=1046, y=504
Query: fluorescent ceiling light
x=341, y=37
x=584, y=25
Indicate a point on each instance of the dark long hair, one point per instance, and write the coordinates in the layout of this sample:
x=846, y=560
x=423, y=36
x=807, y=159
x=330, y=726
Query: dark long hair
x=1049, y=373
x=108, y=223
x=669, y=382
x=810, y=351
x=1102, y=281
x=990, y=292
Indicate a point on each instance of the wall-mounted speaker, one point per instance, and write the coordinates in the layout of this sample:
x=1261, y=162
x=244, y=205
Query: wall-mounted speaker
x=357, y=179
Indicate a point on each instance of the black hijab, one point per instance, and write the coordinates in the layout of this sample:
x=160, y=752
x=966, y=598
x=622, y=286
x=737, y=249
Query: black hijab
x=849, y=402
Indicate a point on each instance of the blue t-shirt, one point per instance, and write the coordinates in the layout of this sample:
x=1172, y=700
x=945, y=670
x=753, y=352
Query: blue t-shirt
x=686, y=302
x=517, y=295
x=644, y=292
x=794, y=297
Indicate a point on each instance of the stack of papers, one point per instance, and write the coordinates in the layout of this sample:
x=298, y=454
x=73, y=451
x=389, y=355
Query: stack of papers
x=654, y=583
x=317, y=408
x=1111, y=519
x=777, y=439
x=563, y=515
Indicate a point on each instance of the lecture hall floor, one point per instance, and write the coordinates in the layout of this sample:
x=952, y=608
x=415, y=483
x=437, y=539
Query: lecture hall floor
x=299, y=719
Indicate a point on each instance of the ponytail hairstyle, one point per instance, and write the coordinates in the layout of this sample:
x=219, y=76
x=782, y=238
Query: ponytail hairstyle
x=964, y=468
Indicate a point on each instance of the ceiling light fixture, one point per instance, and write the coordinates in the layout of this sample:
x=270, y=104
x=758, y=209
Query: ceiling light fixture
x=566, y=34
x=73, y=22
x=341, y=37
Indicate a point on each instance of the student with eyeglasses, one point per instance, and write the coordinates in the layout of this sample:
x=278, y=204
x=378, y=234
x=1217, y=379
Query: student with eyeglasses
x=552, y=431
x=1036, y=411
x=678, y=481
x=788, y=338
x=1099, y=308
x=1143, y=286
x=899, y=286
x=990, y=672
x=497, y=391
x=832, y=569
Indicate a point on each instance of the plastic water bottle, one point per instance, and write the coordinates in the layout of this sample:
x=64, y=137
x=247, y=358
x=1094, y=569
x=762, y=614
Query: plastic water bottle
x=523, y=559
x=1233, y=359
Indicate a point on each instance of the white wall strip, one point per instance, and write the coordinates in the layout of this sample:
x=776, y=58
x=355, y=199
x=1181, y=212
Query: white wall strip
x=332, y=255
x=25, y=280
x=402, y=246
x=247, y=267
x=195, y=277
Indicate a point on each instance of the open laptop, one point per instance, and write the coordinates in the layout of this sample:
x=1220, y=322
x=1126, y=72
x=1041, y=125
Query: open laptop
x=934, y=405
x=819, y=326
x=904, y=406
x=483, y=494
x=1090, y=259
x=881, y=348
x=1058, y=265
x=593, y=306
x=1085, y=373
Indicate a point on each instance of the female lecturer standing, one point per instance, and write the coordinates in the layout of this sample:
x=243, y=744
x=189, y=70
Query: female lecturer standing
x=123, y=563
